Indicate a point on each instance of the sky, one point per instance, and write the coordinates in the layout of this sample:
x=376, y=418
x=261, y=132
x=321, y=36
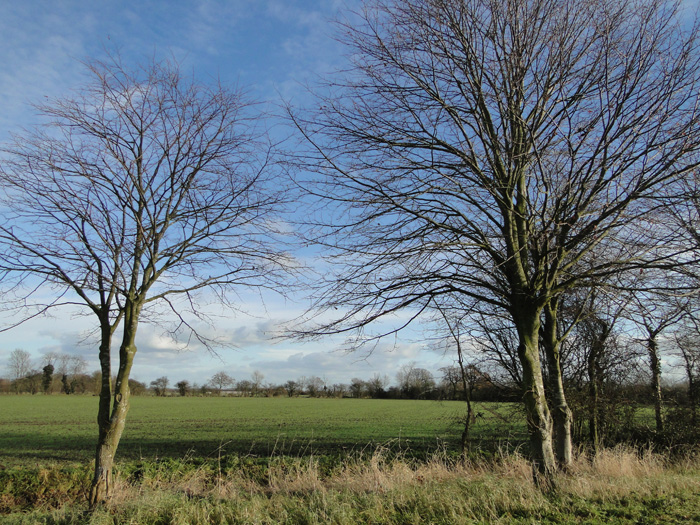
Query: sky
x=270, y=48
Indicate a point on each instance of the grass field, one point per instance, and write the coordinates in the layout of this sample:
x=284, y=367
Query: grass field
x=40, y=429
x=314, y=461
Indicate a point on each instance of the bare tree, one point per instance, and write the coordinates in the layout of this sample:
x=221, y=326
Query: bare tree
x=221, y=380
x=358, y=387
x=591, y=353
x=376, y=385
x=654, y=312
x=499, y=151
x=20, y=363
x=50, y=358
x=256, y=380
x=465, y=374
x=160, y=385
x=414, y=382
x=315, y=386
x=142, y=192
x=688, y=349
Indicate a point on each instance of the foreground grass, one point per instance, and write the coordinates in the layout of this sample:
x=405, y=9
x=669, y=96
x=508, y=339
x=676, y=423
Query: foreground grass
x=618, y=486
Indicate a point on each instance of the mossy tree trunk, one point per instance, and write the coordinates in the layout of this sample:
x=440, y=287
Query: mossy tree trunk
x=539, y=419
x=113, y=407
x=562, y=417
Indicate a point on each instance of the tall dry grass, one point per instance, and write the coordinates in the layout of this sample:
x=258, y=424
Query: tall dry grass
x=479, y=490
x=381, y=488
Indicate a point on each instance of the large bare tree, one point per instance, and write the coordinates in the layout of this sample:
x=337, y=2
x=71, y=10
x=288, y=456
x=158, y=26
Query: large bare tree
x=19, y=363
x=501, y=151
x=144, y=189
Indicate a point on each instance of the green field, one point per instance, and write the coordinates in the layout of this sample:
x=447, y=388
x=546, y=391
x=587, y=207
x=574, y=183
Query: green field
x=296, y=460
x=41, y=429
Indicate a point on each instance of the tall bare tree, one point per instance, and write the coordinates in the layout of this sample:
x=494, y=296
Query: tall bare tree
x=465, y=373
x=502, y=151
x=590, y=352
x=20, y=363
x=655, y=313
x=143, y=189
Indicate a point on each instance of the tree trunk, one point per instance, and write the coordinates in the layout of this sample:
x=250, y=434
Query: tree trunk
x=112, y=411
x=467, y=386
x=594, y=384
x=692, y=387
x=593, y=417
x=539, y=420
x=655, y=365
x=561, y=413
x=692, y=391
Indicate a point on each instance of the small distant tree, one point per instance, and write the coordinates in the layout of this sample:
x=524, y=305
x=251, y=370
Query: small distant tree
x=65, y=384
x=256, y=380
x=376, y=385
x=358, y=387
x=183, y=387
x=49, y=358
x=20, y=363
x=32, y=382
x=451, y=381
x=47, y=378
x=137, y=388
x=415, y=382
x=221, y=380
x=339, y=390
x=291, y=387
x=315, y=386
x=160, y=385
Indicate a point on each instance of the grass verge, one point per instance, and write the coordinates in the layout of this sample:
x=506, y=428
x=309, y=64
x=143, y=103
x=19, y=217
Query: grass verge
x=617, y=486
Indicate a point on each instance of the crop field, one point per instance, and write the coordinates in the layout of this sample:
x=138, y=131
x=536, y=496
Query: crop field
x=51, y=429
x=297, y=460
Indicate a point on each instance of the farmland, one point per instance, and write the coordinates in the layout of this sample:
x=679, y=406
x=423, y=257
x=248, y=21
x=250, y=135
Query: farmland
x=63, y=428
x=298, y=460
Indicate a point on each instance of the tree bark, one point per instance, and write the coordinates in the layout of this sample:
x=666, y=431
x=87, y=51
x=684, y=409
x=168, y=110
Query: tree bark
x=561, y=413
x=594, y=384
x=655, y=365
x=112, y=410
x=539, y=420
x=593, y=412
x=467, y=386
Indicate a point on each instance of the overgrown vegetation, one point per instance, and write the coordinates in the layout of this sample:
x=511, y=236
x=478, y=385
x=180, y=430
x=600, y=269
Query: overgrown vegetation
x=621, y=485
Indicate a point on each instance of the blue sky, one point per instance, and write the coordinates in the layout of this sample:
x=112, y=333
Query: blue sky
x=269, y=47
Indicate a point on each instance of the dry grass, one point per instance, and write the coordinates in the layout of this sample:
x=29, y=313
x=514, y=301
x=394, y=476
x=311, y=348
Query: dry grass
x=619, y=485
x=611, y=473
